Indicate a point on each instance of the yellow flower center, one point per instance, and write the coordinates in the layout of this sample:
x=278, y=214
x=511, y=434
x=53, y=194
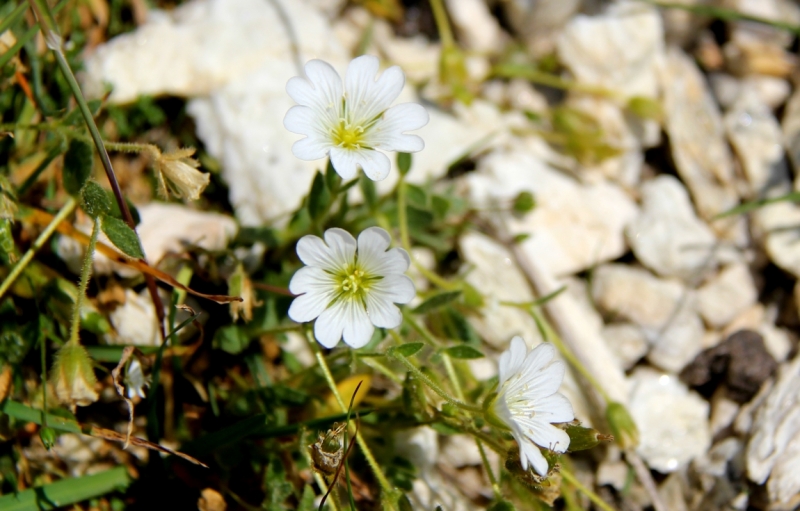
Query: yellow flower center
x=348, y=136
x=353, y=283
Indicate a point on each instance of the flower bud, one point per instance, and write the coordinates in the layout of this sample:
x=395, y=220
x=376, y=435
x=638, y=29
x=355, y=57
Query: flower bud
x=72, y=376
x=622, y=425
x=48, y=437
x=581, y=438
x=177, y=172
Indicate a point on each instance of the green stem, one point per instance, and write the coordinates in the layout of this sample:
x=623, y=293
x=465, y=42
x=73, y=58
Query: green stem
x=405, y=240
x=373, y=363
x=451, y=374
x=489, y=472
x=551, y=335
x=442, y=23
x=420, y=329
x=65, y=211
x=433, y=386
x=571, y=479
x=362, y=444
x=54, y=42
x=86, y=272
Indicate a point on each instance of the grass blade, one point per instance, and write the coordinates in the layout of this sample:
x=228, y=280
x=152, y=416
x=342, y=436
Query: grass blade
x=66, y=491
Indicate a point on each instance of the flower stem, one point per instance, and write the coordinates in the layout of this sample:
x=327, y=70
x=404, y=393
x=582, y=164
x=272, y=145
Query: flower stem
x=54, y=42
x=405, y=240
x=433, y=386
x=442, y=23
x=373, y=464
x=65, y=211
x=420, y=329
x=86, y=272
x=571, y=479
x=489, y=472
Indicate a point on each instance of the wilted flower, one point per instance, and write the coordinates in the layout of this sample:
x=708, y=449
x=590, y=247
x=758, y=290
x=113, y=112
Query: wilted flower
x=135, y=379
x=177, y=172
x=72, y=376
x=350, y=122
x=528, y=401
x=349, y=287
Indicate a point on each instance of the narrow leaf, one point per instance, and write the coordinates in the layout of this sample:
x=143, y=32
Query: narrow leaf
x=406, y=350
x=436, y=301
x=463, y=352
x=122, y=236
x=66, y=491
x=319, y=198
x=77, y=166
x=403, y=163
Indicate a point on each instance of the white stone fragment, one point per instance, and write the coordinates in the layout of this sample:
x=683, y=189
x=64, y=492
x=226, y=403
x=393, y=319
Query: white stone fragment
x=135, y=321
x=727, y=295
x=460, y=451
x=491, y=270
x=715, y=461
x=774, y=448
x=667, y=237
x=790, y=126
x=573, y=226
x=477, y=29
x=756, y=137
x=694, y=126
x=672, y=420
x=540, y=21
x=664, y=309
x=723, y=412
x=613, y=473
x=617, y=50
x=627, y=341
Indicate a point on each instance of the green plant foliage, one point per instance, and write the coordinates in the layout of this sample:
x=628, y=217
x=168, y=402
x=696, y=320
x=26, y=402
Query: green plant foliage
x=94, y=200
x=436, y=301
x=122, y=236
x=462, y=352
x=78, y=161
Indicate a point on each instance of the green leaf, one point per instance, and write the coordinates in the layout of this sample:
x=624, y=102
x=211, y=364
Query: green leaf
x=417, y=196
x=463, y=352
x=122, y=236
x=436, y=301
x=66, y=491
x=78, y=162
x=332, y=180
x=319, y=198
x=27, y=414
x=307, y=500
x=646, y=108
x=503, y=505
x=367, y=186
x=116, y=213
x=406, y=350
x=403, y=163
x=749, y=206
x=231, y=339
x=94, y=200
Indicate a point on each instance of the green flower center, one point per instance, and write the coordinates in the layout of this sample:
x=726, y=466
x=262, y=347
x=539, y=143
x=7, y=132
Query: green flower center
x=348, y=136
x=353, y=283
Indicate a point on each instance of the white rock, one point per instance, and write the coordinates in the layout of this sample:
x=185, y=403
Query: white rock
x=477, y=29
x=776, y=340
x=613, y=473
x=297, y=345
x=667, y=237
x=420, y=446
x=779, y=223
x=715, y=461
x=460, y=451
x=771, y=90
x=627, y=341
x=672, y=421
x=727, y=295
x=135, y=321
x=756, y=136
x=791, y=131
x=491, y=270
x=164, y=229
x=693, y=123
x=617, y=50
x=774, y=448
x=540, y=21
x=573, y=226
x=723, y=412
x=664, y=309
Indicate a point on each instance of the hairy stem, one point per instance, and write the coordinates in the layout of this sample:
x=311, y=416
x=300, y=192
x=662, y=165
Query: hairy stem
x=86, y=272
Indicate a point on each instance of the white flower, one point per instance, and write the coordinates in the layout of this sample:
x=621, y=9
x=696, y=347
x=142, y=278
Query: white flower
x=349, y=287
x=351, y=122
x=528, y=401
x=136, y=380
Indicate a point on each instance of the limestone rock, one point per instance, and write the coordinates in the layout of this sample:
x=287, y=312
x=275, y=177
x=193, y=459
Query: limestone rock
x=774, y=448
x=491, y=270
x=727, y=295
x=478, y=30
x=667, y=237
x=573, y=226
x=617, y=50
x=627, y=341
x=135, y=321
x=694, y=126
x=672, y=421
x=664, y=309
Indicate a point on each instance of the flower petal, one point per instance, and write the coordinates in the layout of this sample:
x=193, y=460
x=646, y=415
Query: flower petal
x=311, y=279
x=388, y=132
x=330, y=325
x=358, y=328
x=321, y=90
x=311, y=148
x=512, y=359
x=382, y=312
x=394, y=288
x=335, y=253
x=373, y=257
x=309, y=306
x=544, y=434
x=529, y=453
x=376, y=165
x=366, y=97
x=554, y=408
